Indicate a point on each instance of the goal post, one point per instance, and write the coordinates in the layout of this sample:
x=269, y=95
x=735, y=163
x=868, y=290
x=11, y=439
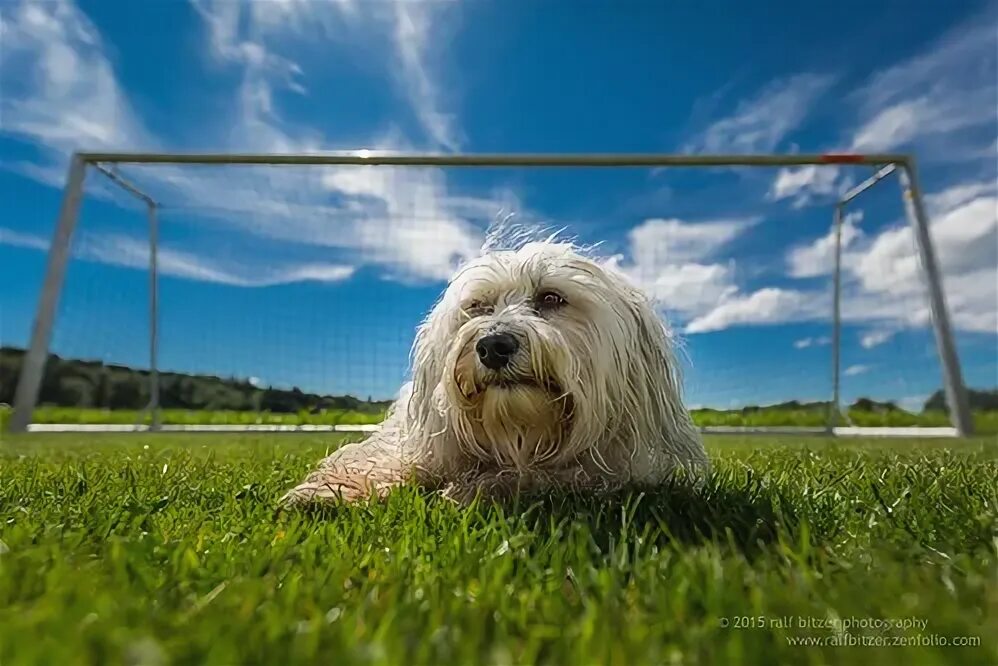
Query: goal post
x=835, y=407
x=33, y=365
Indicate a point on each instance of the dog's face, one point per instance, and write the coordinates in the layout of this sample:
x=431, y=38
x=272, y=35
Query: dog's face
x=536, y=355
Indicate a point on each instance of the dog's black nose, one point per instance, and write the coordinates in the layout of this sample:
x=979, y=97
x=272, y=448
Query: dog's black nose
x=496, y=350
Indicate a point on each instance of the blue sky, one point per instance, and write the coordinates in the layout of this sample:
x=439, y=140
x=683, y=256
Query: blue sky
x=317, y=277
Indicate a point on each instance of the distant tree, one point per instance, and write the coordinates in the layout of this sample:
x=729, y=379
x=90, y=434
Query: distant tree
x=275, y=400
x=869, y=405
x=980, y=400
x=128, y=393
x=76, y=391
x=102, y=391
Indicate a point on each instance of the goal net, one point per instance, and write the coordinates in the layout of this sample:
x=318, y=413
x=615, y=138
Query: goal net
x=236, y=292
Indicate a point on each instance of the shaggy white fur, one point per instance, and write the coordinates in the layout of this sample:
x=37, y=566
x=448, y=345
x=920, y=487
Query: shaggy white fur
x=539, y=367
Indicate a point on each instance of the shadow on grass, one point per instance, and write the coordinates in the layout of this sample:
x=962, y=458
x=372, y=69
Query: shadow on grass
x=746, y=517
x=742, y=518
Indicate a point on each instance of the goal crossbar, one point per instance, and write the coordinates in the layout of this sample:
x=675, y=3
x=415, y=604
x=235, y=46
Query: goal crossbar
x=33, y=364
x=389, y=158
x=930, y=432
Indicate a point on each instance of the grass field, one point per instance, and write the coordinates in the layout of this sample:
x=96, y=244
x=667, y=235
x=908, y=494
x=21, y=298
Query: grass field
x=198, y=417
x=155, y=549
x=985, y=422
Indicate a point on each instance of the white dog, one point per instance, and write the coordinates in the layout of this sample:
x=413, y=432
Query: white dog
x=538, y=368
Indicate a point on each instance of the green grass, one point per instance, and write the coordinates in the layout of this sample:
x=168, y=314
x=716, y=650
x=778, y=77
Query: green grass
x=166, y=549
x=196, y=417
x=985, y=422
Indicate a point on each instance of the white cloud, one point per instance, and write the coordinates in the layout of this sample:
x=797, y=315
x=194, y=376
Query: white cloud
x=875, y=338
x=807, y=183
x=671, y=260
x=901, y=123
x=414, y=34
x=854, y=370
x=59, y=87
x=415, y=226
x=254, y=33
x=929, y=101
x=409, y=222
x=761, y=123
x=405, y=221
x=129, y=252
x=791, y=181
x=949, y=87
x=893, y=126
x=20, y=239
x=882, y=277
x=882, y=280
x=657, y=241
x=237, y=37
x=940, y=203
x=686, y=288
x=889, y=278
x=768, y=305
x=804, y=343
x=818, y=258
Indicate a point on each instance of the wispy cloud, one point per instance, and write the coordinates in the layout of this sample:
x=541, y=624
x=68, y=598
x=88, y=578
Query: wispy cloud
x=818, y=258
x=933, y=102
x=966, y=243
x=414, y=35
x=804, y=343
x=762, y=122
x=882, y=278
x=658, y=242
x=257, y=33
x=674, y=262
x=60, y=90
x=807, y=184
x=929, y=102
x=20, y=239
x=875, y=338
x=767, y=305
x=854, y=370
x=949, y=87
x=410, y=222
x=941, y=203
x=130, y=252
x=405, y=221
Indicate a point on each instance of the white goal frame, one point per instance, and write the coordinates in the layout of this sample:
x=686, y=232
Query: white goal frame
x=33, y=364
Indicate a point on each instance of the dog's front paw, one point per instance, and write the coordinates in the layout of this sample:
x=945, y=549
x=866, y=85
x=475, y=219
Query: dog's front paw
x=462, y=494
x=488, y=487
x=328, y=485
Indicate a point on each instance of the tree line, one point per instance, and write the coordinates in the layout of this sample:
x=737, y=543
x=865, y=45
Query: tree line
x=77, y=383
x=980, y=401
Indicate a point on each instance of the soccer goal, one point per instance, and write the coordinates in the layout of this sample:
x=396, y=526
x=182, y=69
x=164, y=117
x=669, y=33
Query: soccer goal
x=281, y=292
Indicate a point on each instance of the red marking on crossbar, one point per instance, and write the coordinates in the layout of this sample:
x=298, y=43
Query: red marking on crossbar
x=842, y=158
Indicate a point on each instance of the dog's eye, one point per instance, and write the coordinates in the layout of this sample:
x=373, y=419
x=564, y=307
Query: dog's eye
x=478, y=308
x=549, y=300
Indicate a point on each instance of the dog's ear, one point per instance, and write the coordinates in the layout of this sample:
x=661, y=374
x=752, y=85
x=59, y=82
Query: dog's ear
x=427, y=359
x=653, y=346
x=657, y=378
x=428, y=429
x=427, y=367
